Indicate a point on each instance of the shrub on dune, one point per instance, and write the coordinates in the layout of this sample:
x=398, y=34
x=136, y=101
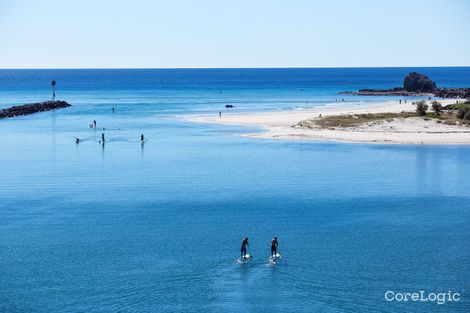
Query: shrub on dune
x=436, y=107
x=467, y=116
x=421, y=108
x=463, y=113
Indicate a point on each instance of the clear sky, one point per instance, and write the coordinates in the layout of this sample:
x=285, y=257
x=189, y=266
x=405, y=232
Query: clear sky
x=238, y=33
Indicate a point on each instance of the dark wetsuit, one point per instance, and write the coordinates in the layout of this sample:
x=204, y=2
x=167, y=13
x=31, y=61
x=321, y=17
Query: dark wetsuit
x=274, y=244
x=243, y=248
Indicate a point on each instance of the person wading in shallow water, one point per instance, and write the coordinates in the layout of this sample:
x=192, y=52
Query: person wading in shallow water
x=274, y=244
x=243, y=248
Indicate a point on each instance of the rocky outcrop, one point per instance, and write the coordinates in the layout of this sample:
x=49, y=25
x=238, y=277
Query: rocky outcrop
x=453, y=93
x=32, y=108
x=397, y=91
x=415, y=82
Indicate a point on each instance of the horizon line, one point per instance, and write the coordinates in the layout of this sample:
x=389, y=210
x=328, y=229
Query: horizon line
x=224, y=68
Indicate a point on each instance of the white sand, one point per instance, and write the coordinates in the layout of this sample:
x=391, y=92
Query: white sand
x=281, y=125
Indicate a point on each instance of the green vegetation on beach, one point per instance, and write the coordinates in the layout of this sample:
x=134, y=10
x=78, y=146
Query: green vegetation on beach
x=454, y=114
x=460, y=105
x=462, y=110
x=352, y=120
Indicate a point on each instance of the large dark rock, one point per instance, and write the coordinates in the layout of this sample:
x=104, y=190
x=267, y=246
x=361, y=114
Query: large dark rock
x=415, y=82
x=32, y=108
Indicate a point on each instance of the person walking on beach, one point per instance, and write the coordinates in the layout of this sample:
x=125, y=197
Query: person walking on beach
x=243, y=248
x=274, y=244
x=102, y=137
x=220, y=114
x=142, y=138
x=94, y=123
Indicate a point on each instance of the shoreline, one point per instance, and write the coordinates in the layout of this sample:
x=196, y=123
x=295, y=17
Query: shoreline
x=283, y=125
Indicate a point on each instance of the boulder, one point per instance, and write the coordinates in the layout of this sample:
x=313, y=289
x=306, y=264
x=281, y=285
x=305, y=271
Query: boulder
x=415, y=82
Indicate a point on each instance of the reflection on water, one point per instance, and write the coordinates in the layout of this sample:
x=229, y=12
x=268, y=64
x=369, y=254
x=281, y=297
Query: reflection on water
x=142, y=151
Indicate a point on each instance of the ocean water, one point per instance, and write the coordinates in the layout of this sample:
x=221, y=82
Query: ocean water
x=125, y=227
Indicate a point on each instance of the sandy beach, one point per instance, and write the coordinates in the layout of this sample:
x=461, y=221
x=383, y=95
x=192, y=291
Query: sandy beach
x=282, y=125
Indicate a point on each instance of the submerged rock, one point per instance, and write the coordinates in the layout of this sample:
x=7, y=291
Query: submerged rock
x=32, y=108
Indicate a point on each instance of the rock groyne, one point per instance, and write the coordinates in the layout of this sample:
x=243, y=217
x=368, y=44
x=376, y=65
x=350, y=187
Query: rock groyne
x=453, y=93
x=31, y=108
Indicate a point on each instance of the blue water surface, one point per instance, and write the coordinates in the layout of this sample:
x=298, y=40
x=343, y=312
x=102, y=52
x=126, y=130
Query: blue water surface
x=126, y=227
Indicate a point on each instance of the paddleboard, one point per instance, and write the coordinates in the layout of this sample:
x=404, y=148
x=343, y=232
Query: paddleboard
x=247, y=258
x=275, y=258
